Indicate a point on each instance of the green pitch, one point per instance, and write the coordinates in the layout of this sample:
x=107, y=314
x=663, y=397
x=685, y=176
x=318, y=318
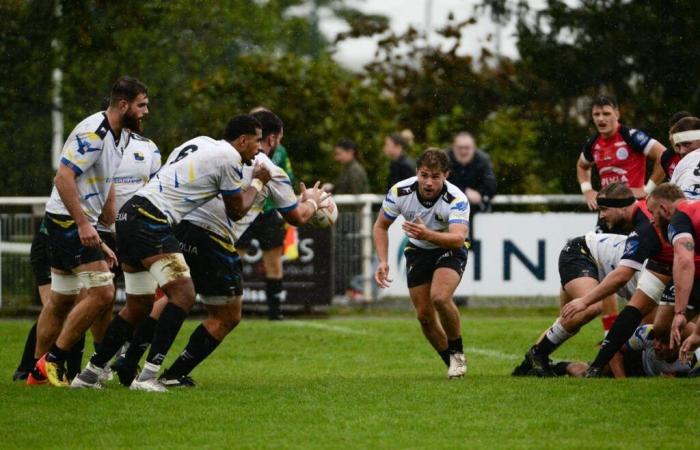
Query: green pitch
x=359, y=382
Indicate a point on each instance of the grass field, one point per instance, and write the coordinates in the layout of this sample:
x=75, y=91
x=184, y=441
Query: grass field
x=357, y=382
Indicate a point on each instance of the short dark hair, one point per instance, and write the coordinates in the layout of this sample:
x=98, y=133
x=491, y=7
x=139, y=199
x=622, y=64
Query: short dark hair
x=667, y=191
x=615, y=190
x=604, y=100
x=126, y=88
x=240, y=125
x=434, y=159
x=347, y=144
x=104, y=104
x=677, y=116
x=271, y=124
x=685, y=124
x=399, y=140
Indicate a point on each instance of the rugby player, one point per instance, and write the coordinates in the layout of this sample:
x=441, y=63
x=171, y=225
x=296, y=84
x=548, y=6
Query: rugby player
x=666, y=164
x=195, y=172
x=583, y=263
x=269, y=228
x=686, y=140
x=91, y=156
x=645, y=243
x=437, y=225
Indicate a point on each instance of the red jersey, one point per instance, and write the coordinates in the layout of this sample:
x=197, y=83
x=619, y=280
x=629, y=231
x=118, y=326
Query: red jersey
x=686, y=221
x=620, y=158
x=669, y=160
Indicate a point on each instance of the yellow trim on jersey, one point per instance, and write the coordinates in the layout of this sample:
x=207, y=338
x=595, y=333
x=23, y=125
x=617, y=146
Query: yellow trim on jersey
x=227, y=245
x=94, y=180
x=191, y=172
x=151, y=216
x=63, y=223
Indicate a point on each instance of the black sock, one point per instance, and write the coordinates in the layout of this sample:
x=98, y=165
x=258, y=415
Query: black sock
x=455, y=346
x=96, y=345
x=118, y=331
x=75, y=359
x=200, y=346
x=445, y=355
x=141, y=340
x=57, y=354
x=545, y=347
x=273, y=293
x=559, y=368
x=627, y=321
x=168, y=326
x=28, y=360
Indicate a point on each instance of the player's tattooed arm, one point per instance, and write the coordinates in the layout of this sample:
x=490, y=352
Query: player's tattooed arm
x=689, y=245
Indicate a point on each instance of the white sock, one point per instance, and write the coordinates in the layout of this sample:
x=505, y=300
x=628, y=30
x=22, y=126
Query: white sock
x=557, y=334
x=149, y=371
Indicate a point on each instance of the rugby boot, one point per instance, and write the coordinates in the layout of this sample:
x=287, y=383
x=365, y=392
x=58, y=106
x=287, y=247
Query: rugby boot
x=149, y=385
x=540, y=364
x=20, y=375
x=523, y=369
x=126, y=371
x=170, y=381
x=54, y=372
x=35, y=378
x=458, y=365
x=593, y=372
x=88, y=378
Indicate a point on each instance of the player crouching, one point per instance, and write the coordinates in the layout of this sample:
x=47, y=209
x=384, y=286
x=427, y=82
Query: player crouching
x=437, y=224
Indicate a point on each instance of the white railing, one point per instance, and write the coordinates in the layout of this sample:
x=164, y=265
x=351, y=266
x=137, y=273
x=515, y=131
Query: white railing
x=366, y=201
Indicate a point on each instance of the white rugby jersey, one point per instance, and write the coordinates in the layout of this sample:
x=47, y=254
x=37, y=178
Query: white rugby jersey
x=643, y=340
x=686, y=175
x=194, y=173
x=212, y=215
x=607, y=250
x=451, y=206
x=94, y=153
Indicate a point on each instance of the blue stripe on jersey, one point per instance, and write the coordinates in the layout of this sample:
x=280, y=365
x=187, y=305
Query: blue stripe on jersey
x=228, y=193
x=68, y=163
x=389, y=216
x=91, y=195
x=287, y=209
x=152, y=175
x=176, y=182
x=239, y=172
x=388, y=200
x=287, y=182
x=465, y=222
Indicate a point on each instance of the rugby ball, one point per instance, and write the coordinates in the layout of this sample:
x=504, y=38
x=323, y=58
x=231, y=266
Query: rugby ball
x=327, y=214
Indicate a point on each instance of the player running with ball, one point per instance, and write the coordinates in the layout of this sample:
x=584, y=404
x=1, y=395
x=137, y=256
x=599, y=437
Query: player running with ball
x=437, y=225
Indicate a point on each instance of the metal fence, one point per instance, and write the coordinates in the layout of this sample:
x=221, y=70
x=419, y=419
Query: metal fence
x=352, y=242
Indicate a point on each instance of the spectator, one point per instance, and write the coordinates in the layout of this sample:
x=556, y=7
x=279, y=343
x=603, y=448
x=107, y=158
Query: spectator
x=401, y=166
x=472, y=171
x=353, y=178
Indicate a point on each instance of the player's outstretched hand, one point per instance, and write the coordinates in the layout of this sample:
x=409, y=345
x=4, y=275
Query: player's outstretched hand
x=692, y=342
x=415, y=229
x=261, y=173
x=591, y=199
x=315, y=193
x=572, y=308
x=381, y=275
x=677, y=326
x=88, y=235
x=110, y=256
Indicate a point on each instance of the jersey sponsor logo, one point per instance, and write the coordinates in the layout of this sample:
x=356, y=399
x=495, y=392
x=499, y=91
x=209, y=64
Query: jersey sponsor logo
x=138, y=156
x=461, y=206
x=405, y=191
x=631, y=246
x=671, y=232
x=622, y=153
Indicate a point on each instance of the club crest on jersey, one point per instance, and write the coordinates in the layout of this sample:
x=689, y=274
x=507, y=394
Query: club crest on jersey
x=622, y=153
x=138, y=156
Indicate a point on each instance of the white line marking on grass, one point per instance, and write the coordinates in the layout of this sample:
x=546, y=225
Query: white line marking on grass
x=323, y=326
x=490, y=353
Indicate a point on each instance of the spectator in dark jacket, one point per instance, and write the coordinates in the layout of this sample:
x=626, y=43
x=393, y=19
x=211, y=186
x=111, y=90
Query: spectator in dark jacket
x=401, y=166
x=353, y=178
x=472, y=172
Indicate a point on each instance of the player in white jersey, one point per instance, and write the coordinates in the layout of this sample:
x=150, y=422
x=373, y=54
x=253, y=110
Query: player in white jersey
x=90, y=157
x=195, y=173
x=437, y=225
x=207, y=238
x=686, y=140
x=583, y=263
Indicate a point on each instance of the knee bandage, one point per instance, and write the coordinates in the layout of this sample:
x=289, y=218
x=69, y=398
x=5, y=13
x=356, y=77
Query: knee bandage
x=169, y=268
x=93, y=278
x=65, y=284
x=139, y=283
x=651, y=285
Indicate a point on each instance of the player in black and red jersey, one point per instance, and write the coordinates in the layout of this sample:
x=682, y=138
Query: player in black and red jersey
x=645, y=243
x=619, y=154
x=666, y=164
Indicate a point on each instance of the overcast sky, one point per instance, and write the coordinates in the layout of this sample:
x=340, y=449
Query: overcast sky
x=402, y=13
